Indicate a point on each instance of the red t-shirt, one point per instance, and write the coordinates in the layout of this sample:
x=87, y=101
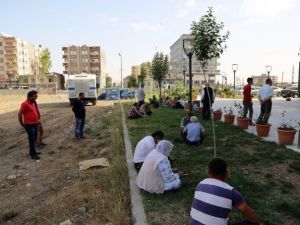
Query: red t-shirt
x=30, y=112
x=247, y=93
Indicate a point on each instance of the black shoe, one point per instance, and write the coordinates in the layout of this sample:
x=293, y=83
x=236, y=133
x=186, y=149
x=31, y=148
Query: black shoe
x=83, y=137
x=35, y=157
x=38, y=153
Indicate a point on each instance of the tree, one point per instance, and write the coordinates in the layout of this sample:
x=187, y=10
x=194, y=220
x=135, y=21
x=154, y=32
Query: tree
x=132, y=82
x=159, y=68
x=108, y=81
x=208, y=43
x=45, y=61
x=143, y=74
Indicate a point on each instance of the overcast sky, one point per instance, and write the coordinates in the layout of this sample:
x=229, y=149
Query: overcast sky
x=262, y=32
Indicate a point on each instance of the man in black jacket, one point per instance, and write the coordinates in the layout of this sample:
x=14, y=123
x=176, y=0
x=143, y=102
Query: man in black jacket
x=207, y=98
x=79, y=111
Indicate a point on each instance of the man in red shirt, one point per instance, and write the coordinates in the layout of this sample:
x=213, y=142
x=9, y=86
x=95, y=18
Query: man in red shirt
x=29, y=118
x=247, y=101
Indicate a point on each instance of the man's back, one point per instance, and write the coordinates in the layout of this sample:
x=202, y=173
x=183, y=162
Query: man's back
x=213, y=201
x=193, y=131
x=143, y=148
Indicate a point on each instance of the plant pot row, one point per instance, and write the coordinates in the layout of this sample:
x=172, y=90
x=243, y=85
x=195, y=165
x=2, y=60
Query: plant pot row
x=285, y=136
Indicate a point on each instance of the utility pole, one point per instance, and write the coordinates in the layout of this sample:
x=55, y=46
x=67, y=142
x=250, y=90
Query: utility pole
x=282, y=79
x=293, y=75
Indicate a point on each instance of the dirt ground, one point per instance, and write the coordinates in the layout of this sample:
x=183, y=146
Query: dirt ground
x=51, y=190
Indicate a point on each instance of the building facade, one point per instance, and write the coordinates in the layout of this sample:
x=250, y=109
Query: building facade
x=179, y=65
x=88, y=59
x=261, y=80
x=17, y=58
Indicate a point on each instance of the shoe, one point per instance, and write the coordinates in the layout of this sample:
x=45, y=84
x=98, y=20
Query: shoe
x=38, y=153
x=43, y=145
x=35, y=157
x=83, y=137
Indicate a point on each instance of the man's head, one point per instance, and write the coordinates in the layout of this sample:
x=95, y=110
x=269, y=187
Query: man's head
x=193, y=119
x=217, y=168
x=157, y=136
x=250, y=80
x=81, y=96
x=206, y=84
x=32, y=96
x=269, y=81
x=142, y=85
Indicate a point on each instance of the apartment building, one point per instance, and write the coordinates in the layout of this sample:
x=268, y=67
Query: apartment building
x=179, y=65
x=88, y=59
x=261, y=80
x=17, y=58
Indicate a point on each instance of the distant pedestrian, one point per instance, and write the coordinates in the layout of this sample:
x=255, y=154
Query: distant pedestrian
x=265, y=98
x=28, y=117
x=247, y=101
x=214, y=199
x=79, y=111
x=207, y=98
x=141, y=95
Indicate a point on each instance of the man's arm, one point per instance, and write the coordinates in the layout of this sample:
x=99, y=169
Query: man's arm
x=248, y=213
x=20, y=118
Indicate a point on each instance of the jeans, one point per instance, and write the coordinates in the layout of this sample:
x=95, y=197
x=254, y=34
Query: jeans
x=248, y=106
x=31, y=131
x=79, y=127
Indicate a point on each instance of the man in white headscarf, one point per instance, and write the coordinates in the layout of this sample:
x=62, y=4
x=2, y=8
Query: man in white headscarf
x=156, y=174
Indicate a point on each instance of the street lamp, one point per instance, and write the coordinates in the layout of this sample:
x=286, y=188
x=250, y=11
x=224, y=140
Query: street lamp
x=269, y=69
x=189, y=51
x=121, y=70
x=183, y=78
x=234, y=68
x=169, y=81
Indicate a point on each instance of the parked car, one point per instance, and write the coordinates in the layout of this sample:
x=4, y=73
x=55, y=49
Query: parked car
x=290, y=92
x=130, y=95
x=277, y=91
x=112, y=93
x=254, y=90
x=102, y=96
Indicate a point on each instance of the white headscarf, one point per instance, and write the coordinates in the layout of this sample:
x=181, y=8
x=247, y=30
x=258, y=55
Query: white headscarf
x=162, y=151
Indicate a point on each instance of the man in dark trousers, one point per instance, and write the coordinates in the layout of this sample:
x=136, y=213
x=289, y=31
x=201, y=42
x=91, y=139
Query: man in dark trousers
x=28, y=117
x=207, y=98
x=265, y=98
x=247, y=101
x=79, y=111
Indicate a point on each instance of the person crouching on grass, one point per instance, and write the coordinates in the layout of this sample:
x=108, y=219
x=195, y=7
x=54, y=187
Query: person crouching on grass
x=193, y=133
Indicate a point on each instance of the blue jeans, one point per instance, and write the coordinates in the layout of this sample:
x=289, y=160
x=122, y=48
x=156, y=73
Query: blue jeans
x=31, y=131
x=79, y=127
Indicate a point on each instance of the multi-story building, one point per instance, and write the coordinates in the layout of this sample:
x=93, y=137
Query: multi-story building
x=17, y=58
x=261, y=80
x=179, y=65
x=88, y=59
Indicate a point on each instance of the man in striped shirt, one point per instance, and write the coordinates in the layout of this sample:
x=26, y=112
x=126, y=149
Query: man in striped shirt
x=214, y=199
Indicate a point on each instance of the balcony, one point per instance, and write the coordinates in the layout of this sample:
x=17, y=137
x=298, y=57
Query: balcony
x=65, y=56
x=65, y=72
x=64, y=48
x=65, y=64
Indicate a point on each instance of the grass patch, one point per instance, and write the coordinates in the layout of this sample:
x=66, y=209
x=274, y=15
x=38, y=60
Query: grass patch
x=258, y=170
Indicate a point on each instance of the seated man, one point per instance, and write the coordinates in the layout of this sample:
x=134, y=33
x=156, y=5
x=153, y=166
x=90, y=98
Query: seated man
x=154, y=102
x=180, y=104
x=194, y=132
x=133, y=113
x=145, y=109
x=156, y=174
x=214, y=199
x=185, y=121
x=144, y=147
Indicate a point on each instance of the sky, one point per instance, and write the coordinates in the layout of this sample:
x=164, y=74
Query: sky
x=262, y=32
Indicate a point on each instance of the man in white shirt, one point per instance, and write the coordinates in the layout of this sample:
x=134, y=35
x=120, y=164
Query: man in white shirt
x=194, y=132
x=265, y=98
x=141, y=95
x=144, y=147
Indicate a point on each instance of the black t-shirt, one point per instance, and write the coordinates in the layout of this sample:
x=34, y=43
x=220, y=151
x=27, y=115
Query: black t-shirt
x=79, y=109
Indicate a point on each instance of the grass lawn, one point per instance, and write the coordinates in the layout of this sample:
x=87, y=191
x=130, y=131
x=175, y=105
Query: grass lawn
x=268, y=175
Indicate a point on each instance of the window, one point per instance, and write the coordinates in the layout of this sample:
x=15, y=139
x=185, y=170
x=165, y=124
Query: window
x=73, y=52
x=85, y=60
x=84, y=52
x=0, y=43
x=1, y=68
x=1, y=52
x=1, y=60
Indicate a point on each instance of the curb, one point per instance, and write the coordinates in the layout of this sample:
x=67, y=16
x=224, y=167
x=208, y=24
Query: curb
x=138, y=211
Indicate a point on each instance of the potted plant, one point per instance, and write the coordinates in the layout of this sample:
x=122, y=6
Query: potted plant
x=263, y=129
x=217, y=114
x=242, y=122
x=228, y=116
x=286, y=132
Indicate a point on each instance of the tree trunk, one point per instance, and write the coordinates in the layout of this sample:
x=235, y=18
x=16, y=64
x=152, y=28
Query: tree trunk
x=159, y=85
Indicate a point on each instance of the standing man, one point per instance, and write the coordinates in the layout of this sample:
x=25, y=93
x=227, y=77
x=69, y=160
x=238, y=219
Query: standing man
x=265, y=98
x=214, y=199
x=79, y=111
x=28, y=117
x=141, y=95
x=207, y=98
x=247, y=101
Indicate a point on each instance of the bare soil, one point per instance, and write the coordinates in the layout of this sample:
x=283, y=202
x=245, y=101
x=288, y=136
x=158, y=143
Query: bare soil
x=51, y=190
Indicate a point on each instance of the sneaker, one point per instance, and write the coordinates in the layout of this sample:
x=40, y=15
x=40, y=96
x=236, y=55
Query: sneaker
x=35, y=157
x=38, y=153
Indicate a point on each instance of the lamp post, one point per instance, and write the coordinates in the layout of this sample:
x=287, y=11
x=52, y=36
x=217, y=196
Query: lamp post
x=269, y=69
x=183, y=78
x=169, y=81
x=189, y=51
x=234, y=69
x=121, y=70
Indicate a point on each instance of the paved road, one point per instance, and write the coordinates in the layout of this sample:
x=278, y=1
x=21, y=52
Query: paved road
x=292, y=109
